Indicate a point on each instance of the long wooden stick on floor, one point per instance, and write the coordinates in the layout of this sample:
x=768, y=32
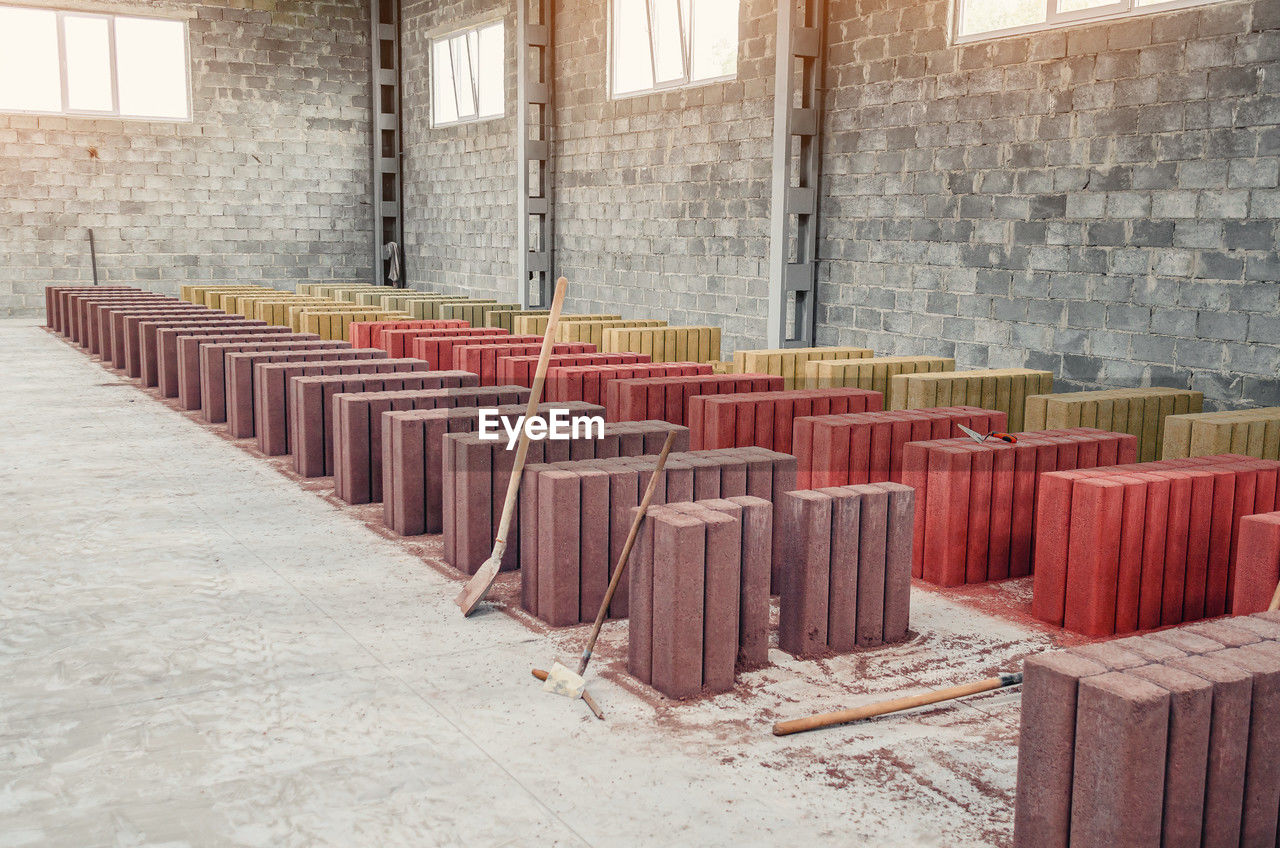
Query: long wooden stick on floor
x=813, y=722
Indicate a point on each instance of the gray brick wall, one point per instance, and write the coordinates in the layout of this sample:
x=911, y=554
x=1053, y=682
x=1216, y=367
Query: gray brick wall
x=1100, y=201
x=662, y=200
x=269, y=183
x=460, y=190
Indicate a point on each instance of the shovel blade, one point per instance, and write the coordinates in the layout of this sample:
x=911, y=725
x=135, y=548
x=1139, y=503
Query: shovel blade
x=563, y=681
x=478, y=586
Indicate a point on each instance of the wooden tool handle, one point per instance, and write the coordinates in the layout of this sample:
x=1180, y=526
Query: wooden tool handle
x=799, y=725
x=586, y=696
x=1275, y=600
x=626, y=551
x=535, y=397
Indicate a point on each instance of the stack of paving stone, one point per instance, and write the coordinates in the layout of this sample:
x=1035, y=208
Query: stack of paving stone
x=71, y=306
x=273, y=421
x=107, y=329
x=435, y=308
x=875, y=373
x=332, y=322
x=1146, y=545
x=765, y=419
x=1005, y=389
x=403, y=301
x=294, y=312
x=86, y=311
x=1257, y=563
x=413, y=450
x=520, y=370
x=187, y=354
x=590, y=382
x=311, y=407
x=471, y=312
x=505, y=319
x=591, y=330
x=868, y=447
x=154, y=340
x=699, y=593
x=399, y=342
x=206, y=293
x=483, y=359
x=330, y=290
x=438, y=348
x=665, y=344
x=358, y=456
x=605, y=492
x=537, y=324
x=167, y=350
x=1251, y=432
x=369, y=333
x=234, y=395
x=121, y=326
x=1138, y=412
x=275, y=310
x=1164, y=739
x=476, y=472
x=843, y=555
x=57, y=314
x=791, y=363
x=976, y=501
x=669, y=398
x=246, y=303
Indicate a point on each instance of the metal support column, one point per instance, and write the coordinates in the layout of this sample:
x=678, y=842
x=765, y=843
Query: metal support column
x=533, y=151
x=388, y=183
x=797, y=160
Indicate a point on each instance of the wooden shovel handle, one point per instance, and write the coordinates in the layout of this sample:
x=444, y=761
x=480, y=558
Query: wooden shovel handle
x=535, y=397
x=1275, y=600
x=813, y=722
x=626, y=552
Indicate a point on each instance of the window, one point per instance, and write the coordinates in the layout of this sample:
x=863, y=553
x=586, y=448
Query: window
x=468, y=75
x=976, y=19
x=69, y=63
x=659, y=44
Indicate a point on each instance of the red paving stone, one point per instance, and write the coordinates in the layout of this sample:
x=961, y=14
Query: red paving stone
x=311, y=408
x=242, y=373
x=671, y=398
x=358, y=429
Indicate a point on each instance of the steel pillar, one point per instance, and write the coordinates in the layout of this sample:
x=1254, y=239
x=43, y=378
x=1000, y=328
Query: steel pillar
x=388, y=182
x=797, y=160
x=534, y=89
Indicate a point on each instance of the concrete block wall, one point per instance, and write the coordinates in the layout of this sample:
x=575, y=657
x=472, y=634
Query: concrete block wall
x=1100, y=201
x=460, y=180
x=269, y=183
x=662, y=200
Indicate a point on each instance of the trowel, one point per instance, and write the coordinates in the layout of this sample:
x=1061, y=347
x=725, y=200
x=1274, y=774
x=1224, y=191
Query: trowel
x=979, y=438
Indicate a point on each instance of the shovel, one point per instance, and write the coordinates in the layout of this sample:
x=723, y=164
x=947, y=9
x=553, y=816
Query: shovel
x=478, y=586
x=560, y=679
x=979, y=438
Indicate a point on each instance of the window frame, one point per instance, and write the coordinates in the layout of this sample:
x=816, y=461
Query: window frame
x=686, y=48
x=1054, y=19
x=473, y=71
x=60, y=16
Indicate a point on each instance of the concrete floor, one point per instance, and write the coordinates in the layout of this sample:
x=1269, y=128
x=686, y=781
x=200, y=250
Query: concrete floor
x=196, y=650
